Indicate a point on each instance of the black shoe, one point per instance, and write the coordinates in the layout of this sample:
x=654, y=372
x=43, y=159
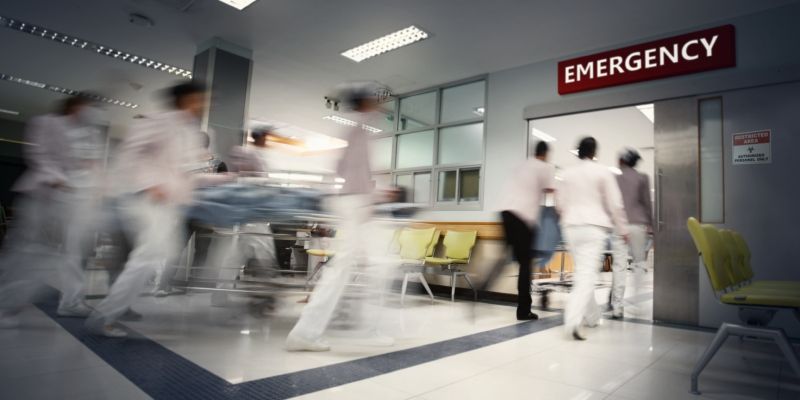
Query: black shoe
x=530, y=317
x=131, y=315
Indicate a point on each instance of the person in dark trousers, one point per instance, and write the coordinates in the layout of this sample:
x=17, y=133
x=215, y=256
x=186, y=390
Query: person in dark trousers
x=524, y=195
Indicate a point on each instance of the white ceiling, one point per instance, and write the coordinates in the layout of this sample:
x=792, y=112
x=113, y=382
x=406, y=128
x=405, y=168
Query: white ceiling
x=296, y=43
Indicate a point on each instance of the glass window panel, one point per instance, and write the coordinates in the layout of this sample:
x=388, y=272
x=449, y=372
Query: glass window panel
x=385, y=119
x=469, y=185
x=711, y=159
x=381, y=154
x=417, y=111
x=422, y=188
x=464, y=102
x=415, y=150
x=447, y=186
x=461, y=144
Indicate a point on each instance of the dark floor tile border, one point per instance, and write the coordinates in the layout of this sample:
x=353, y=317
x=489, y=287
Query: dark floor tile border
x=163, y=374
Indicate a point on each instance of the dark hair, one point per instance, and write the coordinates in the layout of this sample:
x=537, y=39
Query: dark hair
x=222, y=167
x=176, y=93
x=630, y=158
x=541, y=149
x=587, y=148
x=70, y=103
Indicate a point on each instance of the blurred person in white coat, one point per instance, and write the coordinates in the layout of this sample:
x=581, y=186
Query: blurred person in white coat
x=56, y=213
x=353, y=241
x=590, y=204
x=635, y=189
x=154, y=174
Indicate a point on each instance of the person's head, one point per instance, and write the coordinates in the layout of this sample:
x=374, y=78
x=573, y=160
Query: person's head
x=541, y=150
x=629, y=158
x=261, y=134
x=189, y=96
x=74, y=104
x=587, y=148
x=363, y=96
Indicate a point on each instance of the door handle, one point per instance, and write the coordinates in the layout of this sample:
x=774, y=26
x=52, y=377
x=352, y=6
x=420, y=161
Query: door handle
x=659, y=190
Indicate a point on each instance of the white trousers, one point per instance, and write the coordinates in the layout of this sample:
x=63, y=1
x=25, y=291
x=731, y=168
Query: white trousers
x=637, y=249
x=586, y=244
x=231, y=254
x=352, y=244
x=153, y=228
x=84, y=215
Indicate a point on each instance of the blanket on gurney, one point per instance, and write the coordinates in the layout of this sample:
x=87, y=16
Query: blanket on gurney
x=236, y=203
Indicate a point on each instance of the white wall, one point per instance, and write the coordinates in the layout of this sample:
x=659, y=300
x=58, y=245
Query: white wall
x=766, y=53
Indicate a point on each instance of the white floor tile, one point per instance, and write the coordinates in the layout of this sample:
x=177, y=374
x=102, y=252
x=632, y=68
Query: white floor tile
x=658, y=384
x=362, y=390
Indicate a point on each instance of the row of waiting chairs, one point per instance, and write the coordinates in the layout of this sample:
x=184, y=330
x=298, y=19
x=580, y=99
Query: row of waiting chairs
x=416, y=247
x=727, y=260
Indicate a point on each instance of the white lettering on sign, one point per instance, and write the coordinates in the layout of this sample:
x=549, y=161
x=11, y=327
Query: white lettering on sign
x=752, y=148
x=651, y=58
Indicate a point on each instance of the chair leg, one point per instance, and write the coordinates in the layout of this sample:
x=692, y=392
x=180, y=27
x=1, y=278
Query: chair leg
x=403, y=289
x=471, y=286
x=425, y=285
x=777, y=335
x=452, y=287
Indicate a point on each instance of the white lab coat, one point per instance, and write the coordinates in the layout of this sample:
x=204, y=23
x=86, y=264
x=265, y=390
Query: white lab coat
x=159, y=152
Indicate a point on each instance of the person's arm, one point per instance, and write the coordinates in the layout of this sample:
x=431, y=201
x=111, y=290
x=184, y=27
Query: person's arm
x=39, y=156
x=644, y=198
x=612, y=198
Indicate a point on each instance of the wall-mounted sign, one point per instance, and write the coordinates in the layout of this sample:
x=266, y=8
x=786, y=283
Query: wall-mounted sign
x=685, y=54
x=752, y=147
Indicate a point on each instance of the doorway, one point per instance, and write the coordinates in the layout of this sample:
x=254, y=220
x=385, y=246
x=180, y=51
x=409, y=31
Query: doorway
x=616, y=129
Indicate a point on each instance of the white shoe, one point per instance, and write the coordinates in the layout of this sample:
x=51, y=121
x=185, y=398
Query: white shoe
x=106, y=330
x=76, y=311
x=578, y=333
x=161, y=293
x=298, y=344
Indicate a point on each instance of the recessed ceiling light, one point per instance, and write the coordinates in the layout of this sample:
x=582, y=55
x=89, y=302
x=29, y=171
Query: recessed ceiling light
x=97, y=48
x=238, y=4
x=69, y=92
x=344, y=121
x=648, y=111
x=544, y=137
x=10, y=112
x=387, y=43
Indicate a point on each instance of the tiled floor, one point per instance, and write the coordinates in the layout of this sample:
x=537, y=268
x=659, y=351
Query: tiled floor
x=621, y=360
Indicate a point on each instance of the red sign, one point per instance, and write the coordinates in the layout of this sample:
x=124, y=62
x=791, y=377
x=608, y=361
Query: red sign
x=685, y=54
x=743, y=139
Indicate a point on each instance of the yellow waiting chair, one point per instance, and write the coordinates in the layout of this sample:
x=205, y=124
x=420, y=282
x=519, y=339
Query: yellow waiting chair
x=730, y=287
x=742, y=268
x=414, y=247
x=458, y=247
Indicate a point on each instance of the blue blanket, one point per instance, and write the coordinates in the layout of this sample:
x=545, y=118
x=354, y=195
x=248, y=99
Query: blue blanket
x=227, y=205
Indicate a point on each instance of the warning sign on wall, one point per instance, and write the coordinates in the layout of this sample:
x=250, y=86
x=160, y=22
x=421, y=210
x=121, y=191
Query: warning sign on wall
x=752, y=147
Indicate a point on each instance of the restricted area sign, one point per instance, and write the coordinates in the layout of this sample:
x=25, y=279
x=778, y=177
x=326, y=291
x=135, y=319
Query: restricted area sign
x=752, y=147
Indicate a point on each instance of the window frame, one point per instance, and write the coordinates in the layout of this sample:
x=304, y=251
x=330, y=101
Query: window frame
x=436, y=167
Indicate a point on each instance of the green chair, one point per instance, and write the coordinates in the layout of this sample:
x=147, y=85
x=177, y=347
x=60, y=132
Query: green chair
x=740, y=258
x=414, y=247
x=729, y=288
x=458, y=247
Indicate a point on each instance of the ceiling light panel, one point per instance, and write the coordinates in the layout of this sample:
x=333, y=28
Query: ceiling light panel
x=387, y=43
x=238, y=4
x=70, y=92
x=67, y=40
x=344, y=121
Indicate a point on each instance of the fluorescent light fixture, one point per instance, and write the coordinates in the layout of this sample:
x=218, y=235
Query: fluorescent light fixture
x=479, y=111
x=245, y=331
x=392, y=41
x=238, y=4
x=68, y=40
x=344, y=121
x=70, y=92
x=648, y=111
x=545, y=137
x=9, y=112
